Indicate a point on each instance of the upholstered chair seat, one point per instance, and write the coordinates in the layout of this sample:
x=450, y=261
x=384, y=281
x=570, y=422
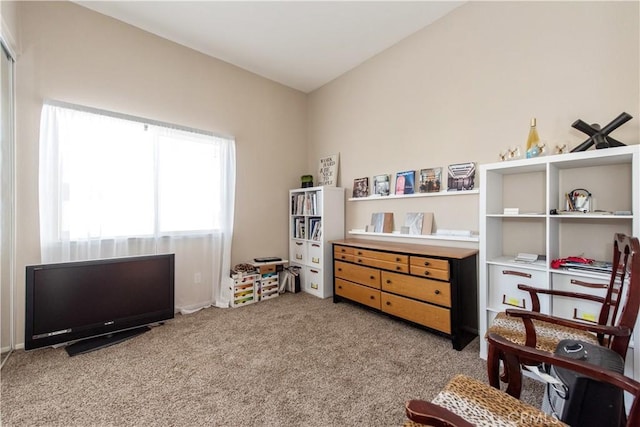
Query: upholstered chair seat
x=481, y=405
x=548, y=335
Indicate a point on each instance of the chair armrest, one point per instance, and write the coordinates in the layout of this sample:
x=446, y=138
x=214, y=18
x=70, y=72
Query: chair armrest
x=535, y=301
x=525, y=315
x=423, y=412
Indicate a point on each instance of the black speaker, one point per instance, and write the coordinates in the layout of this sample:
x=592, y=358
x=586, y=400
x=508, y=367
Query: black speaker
x=580, y=400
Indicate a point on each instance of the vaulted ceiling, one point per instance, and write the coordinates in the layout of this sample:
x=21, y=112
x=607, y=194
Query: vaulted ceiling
x=301, y=44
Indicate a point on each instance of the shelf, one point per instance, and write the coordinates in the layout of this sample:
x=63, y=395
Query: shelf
x=561, y=216
x=590, y=216
x=407, y=196
x=473, y=238
x=533, y=215
x=510, y=262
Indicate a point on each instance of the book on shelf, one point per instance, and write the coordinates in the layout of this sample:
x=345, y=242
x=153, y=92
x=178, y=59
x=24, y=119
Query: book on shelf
x=430, y=180
x=382, y=222
x=382, y=185
x=298, y=228
x=405, y=182
x=304, y=204
x=361, y=187
x=315, y=225
x=594, y=266
x=461, y=176
x=328, y=170
x=418, y=223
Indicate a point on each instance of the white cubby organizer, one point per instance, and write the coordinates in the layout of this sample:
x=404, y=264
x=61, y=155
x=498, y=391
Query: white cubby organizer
x=537, y=188
x=316, y=216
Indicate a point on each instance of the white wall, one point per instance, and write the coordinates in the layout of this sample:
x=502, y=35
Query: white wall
x=72, y=54
x=465, y=88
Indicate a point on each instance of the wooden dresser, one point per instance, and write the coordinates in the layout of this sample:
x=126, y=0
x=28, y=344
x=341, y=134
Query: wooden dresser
x=435, y=287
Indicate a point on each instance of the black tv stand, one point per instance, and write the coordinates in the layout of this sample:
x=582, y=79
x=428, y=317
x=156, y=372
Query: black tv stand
x=96, y=343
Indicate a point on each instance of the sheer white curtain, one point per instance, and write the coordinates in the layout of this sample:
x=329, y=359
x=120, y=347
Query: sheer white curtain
x=113, y=185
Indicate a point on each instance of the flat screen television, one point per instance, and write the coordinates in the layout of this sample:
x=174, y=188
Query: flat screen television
x=93, y=304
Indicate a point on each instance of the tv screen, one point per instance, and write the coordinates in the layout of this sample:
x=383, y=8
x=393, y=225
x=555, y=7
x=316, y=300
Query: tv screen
x=98, y=298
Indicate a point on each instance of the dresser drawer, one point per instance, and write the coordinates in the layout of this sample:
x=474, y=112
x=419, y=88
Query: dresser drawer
x=362, y=294
x=504, y=292
x=415, y=287
x=419, y=312
x=574, y=308
x=429, y=267
x=314, y=255
x=357, y=273
x=385, y=265
x=298, y=251
x=383, y=260
x=430, y=272
x=343, y=253
x=346, y=250
x=312, y=281
x=381, y=256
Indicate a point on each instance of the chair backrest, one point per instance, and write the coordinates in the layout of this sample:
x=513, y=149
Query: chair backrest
x=622, y=301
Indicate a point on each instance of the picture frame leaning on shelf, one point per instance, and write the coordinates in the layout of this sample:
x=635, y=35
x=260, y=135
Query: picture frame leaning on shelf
x=328, y=170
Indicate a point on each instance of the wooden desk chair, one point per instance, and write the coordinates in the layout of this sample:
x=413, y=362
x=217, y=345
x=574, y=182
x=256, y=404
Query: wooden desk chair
x=615, y=324
x=468, y=402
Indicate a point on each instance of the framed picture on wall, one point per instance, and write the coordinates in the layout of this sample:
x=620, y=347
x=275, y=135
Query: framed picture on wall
x=405, y=182
x=361, y=187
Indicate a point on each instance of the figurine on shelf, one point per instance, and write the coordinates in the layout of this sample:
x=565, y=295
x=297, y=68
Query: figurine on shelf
x=600, y=136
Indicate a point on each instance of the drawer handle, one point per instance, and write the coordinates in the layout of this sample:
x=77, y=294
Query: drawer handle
x=343, y=250
x=583, y=318
x=372, y=297
x=437, y=292
x=388, y=302
x=298, y=256
x=426, y=273
x=388, y=280
x=588, y=285
x=372, y=277
x=359, y=260
x=517, y=273
x=339, y=268
x=398, y=259
x=426, y=263
x=299, y=243
x=343, y=257
x=315, y=245
x=359, y=253
x=513, y=302
x=398, y=267
x=339, y=286
x=314, y=271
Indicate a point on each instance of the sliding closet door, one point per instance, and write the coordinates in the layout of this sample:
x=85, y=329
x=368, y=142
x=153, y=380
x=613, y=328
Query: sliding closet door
x=7, y=199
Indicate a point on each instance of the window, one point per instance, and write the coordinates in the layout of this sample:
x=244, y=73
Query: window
x=122, y=177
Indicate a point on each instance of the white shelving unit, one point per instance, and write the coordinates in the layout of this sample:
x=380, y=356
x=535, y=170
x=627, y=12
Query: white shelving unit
x=316, y=216
x=538, y=187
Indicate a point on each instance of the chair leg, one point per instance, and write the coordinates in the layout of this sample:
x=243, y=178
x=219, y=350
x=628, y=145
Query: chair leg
x=514, y=374
x=493, y=366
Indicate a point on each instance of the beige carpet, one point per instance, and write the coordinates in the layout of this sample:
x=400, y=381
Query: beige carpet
x=295, y=360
